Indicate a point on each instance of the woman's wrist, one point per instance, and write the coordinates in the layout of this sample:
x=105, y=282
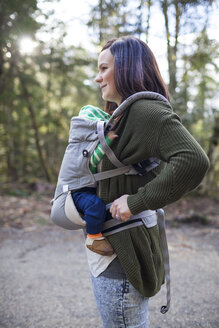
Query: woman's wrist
x=135, y=204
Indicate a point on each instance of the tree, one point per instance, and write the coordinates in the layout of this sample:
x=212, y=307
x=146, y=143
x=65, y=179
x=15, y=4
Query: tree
x=202, y=70
x=15, y=19
x=39, y=94
x=109, y=19
x=179, y=12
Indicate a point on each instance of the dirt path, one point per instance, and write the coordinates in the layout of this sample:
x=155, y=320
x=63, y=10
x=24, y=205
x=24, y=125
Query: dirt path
x=45, y=281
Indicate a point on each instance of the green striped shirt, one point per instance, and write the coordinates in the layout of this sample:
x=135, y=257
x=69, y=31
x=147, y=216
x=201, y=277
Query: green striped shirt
x=95, y=114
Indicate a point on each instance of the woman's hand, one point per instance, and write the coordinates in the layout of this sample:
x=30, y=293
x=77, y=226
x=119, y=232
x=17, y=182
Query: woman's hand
x=120, y=210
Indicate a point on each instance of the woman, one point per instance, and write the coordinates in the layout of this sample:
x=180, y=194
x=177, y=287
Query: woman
x=148, y=128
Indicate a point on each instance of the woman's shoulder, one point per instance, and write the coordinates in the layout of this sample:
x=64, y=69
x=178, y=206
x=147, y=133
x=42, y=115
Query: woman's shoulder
x=150, y=106
x=148, y=109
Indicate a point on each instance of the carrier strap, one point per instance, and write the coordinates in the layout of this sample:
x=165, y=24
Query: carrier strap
x=112, y=173
x=112, y=226
x=165, y=253
x=97, y=176
x=108, y=151
x=131, y=99
x=149, y=219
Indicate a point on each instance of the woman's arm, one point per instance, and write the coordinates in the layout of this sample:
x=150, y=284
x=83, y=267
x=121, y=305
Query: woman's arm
x=186, y=165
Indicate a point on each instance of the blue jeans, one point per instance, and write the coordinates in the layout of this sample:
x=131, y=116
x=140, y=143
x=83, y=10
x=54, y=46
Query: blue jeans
x=120, y=305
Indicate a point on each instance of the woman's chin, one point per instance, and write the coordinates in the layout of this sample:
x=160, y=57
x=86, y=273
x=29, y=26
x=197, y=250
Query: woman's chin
x=105, y=98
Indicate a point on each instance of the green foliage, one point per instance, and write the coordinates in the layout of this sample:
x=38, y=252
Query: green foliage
x=41, y=90
x=110, y=19
x=16, y=18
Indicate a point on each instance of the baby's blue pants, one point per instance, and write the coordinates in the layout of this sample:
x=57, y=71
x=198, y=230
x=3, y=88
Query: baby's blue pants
x=93, y=208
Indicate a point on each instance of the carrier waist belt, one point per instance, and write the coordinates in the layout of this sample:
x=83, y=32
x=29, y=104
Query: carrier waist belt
x=148, y=218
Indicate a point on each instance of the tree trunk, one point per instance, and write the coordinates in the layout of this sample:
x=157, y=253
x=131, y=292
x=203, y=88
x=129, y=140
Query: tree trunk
x=35, y=128
x=214, y=141
x=172, y=50
x=101, y=22
x=209, y=185
x=34, y=122
x=12, y=170
x=148, y=19
x=9, y=135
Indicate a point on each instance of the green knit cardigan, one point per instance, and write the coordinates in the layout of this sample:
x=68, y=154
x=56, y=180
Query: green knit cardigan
x=149, y=128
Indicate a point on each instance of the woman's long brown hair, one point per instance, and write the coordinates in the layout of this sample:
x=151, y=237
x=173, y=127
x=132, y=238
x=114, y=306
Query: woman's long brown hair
x=135, y=69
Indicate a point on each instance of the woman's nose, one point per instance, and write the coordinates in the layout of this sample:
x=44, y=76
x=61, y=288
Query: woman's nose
x=98, y=78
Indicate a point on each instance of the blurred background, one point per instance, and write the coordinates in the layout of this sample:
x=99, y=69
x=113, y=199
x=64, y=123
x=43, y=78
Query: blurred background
x=48, y=62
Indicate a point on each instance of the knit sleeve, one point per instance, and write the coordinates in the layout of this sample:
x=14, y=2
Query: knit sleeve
x=186, y=165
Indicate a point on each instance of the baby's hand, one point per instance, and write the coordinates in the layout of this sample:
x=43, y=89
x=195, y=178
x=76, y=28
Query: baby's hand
x=111, y=135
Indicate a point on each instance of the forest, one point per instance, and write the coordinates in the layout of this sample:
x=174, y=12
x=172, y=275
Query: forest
x=48, y=63
x=40, y=90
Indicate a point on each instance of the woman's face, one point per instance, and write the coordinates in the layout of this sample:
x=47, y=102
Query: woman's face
x=105, y=77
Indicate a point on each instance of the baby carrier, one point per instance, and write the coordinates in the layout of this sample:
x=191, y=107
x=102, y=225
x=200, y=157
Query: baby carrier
x=75, y=174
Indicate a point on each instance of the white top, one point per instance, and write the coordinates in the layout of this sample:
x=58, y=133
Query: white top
x=98, y=263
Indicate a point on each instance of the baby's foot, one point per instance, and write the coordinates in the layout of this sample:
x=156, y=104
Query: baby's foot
x=100, y=246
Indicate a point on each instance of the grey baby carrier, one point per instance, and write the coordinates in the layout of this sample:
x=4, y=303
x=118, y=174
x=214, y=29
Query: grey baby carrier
x=75, y=173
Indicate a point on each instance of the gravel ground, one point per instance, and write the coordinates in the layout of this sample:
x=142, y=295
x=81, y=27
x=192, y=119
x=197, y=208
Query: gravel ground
x=45, y=281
